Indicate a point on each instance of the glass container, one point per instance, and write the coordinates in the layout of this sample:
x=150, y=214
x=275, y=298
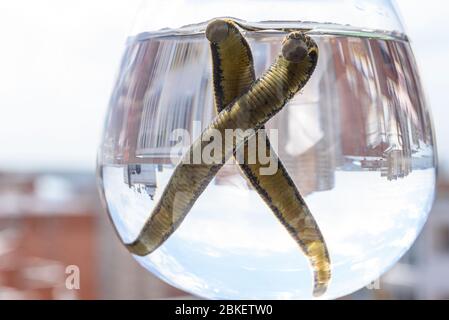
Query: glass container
x=358, y=143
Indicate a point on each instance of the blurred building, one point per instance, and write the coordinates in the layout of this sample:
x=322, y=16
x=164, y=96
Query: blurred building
x=51, y=223
x=47, y=223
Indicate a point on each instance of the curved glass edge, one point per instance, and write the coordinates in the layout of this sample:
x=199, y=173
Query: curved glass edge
x=380, y=15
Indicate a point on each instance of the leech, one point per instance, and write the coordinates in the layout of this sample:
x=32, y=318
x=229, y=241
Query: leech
x=231, y=56
x=251, y=110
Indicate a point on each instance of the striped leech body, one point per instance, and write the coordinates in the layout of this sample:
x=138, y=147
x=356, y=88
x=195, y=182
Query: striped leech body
x=233, y=74
x=245, y=103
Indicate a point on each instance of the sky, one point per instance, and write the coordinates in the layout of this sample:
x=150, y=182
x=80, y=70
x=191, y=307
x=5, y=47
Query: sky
x=59, y=59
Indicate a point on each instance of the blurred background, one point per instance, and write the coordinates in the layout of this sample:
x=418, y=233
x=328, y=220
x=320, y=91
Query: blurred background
x=58, y=63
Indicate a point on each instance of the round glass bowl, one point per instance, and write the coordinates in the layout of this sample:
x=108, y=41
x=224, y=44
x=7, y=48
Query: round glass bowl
x=357, y=141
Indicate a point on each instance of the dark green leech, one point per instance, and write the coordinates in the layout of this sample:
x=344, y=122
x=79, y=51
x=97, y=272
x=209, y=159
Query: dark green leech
x=266, y=96
x=233, y=74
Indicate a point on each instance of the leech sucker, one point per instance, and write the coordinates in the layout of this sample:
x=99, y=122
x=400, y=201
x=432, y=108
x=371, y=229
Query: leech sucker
x=248, y=108
x=231, y=56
